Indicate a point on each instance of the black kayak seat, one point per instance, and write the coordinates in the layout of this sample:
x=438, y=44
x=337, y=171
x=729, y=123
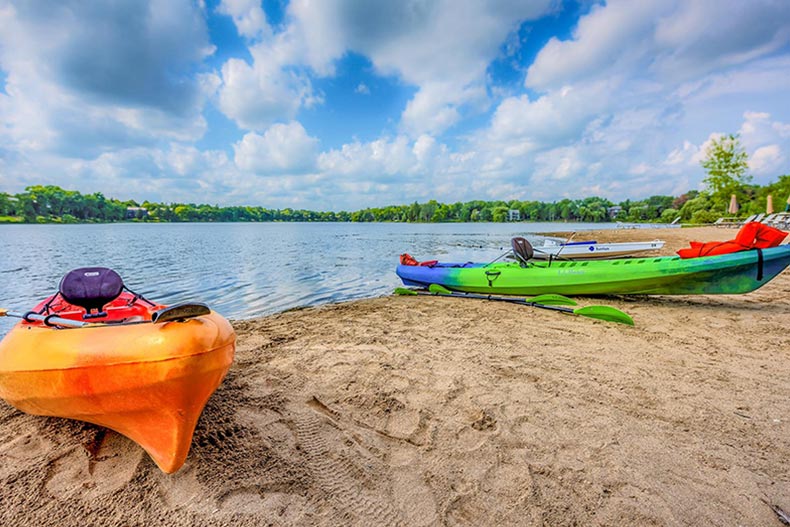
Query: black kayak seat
x=522, y=250
x=91, y=287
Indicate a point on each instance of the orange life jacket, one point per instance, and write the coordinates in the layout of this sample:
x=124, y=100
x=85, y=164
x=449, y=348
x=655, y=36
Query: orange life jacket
x=753, y=235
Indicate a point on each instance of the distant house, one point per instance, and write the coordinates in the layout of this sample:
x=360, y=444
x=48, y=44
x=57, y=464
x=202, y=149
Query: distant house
x=614, y=211
x=513, y=215
x=136, y=212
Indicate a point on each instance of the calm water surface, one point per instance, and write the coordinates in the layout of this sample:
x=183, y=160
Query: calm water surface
x=241, y=270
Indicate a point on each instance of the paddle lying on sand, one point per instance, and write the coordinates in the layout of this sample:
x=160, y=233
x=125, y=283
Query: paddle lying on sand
x=546, y=300
x=166, y=314
x=549, y=299
x=607, y=313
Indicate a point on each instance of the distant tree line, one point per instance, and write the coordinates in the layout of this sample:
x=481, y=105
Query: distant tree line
x=725, y=164
x=52, y=204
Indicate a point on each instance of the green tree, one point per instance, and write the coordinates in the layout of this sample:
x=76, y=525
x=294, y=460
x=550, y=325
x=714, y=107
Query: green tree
x=427, y=210
x=484, y=214
x=499, y=214
x=5, y=204
x=726, y=163
x=26, y=207
x=567, y=209
x=442, y=213
x=669, y=215
x=780, y=192
x=681, y=200
x=692, y=206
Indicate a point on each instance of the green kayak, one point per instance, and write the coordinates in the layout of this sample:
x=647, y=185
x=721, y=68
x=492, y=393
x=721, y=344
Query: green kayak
x=739, y=272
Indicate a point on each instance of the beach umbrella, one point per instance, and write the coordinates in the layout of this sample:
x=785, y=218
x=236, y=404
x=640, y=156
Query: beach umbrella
x=769, y=205
x=733, y=205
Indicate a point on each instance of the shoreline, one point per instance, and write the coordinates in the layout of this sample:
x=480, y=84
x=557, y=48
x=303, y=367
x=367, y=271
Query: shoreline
x=127, y=222
x=436, y=411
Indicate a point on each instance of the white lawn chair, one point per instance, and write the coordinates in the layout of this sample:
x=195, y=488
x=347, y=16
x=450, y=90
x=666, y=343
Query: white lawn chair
x=781, y=221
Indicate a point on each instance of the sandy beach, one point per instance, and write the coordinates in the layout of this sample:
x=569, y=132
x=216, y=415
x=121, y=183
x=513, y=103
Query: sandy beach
x=422, y=411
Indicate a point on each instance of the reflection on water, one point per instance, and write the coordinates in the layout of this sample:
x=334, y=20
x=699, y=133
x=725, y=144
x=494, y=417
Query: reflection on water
x=241, y=270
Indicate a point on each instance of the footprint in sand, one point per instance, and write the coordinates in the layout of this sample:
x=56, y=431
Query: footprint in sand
x=90, y=471
x=478, y=433
x=26, y=447
x=339, y=476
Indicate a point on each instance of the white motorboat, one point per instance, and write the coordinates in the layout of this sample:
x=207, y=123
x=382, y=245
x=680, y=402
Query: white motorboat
x=570, y=250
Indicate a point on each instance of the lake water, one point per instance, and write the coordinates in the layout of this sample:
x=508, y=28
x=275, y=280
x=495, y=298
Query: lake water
x=242, y=270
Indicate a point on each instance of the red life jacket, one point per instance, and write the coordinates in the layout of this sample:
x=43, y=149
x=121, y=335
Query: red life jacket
x=753, y=235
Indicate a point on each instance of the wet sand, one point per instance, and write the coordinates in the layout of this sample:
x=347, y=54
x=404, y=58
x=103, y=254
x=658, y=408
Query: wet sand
x=435, y=411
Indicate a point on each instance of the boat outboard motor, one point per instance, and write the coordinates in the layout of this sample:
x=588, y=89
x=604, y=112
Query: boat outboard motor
x=91, y=288
x=522, y=250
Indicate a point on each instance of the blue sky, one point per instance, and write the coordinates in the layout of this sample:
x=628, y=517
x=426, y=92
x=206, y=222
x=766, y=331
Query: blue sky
x=342, y=104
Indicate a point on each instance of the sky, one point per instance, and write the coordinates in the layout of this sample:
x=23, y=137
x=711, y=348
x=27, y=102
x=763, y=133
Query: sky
x=346, y=104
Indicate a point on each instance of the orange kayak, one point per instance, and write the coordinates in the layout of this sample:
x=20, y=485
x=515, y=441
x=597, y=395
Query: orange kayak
x=148, y=381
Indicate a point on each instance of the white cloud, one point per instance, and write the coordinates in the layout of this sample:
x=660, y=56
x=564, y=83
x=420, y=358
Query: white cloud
x=188, y=161
x=274, y=86
x=174, y=172
x=137, y=54
x=767, y=143
x=707, y=35
x=522, y=125
x=609, y=37
x=682, y=156
x=282, y=149
x=670, y=41
x=782, y=129
x=702, y=152
x=424, y=147
x=248, y=16
x=257, y=95
x=558, y=164
x=102, y=78
x=452, y=40
x=763, y=78
x=758, y=129
x=442, y=47
x=380, y=159
x=766, y=160
x=430, y=110
x=398, y=168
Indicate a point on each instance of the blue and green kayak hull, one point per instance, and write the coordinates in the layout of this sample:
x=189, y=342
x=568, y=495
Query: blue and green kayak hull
x=734, y=273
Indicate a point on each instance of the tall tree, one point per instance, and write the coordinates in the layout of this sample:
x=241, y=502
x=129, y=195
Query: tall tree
x=726, y=163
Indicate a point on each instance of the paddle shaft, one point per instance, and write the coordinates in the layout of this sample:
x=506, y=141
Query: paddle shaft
x=520, y=301
x=176, y=312
x=548, y=299
x=50, y=319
